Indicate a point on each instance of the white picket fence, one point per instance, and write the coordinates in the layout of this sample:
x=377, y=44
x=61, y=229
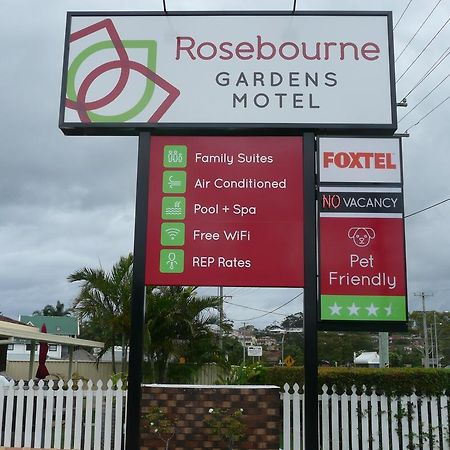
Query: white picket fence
x=359, y=421
x=85, y=416
x=80, y=416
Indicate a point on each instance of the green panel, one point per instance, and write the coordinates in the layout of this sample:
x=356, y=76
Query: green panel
x=175, y=156
x=363, y=308
x=173, y=208
x=174, y=182
x=171, y=261
x=172, y=234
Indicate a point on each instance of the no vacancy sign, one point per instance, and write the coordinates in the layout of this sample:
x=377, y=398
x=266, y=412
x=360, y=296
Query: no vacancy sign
x=225, y=211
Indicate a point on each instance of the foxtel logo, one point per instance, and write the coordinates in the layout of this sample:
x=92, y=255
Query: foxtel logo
x=358, y=160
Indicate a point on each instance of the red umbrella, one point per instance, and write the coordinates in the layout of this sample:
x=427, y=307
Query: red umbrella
x=42, y=370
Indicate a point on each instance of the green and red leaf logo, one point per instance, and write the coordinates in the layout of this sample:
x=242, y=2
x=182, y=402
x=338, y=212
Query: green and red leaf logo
x=98, y=78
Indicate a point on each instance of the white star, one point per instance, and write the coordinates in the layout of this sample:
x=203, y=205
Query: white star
x=353, y=310
x=372, y=310
x=388, y=310
x=335, y=309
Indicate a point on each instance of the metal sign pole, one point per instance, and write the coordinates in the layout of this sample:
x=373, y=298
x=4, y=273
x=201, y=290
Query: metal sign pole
x=138, y=297
x=311, y=431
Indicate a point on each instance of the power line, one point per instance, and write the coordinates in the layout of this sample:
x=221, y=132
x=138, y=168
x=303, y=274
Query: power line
x=435, y=65
x=426, y=96
x=441, y=289
x=426, y=115
x=418, y=30
x=253, y=309
x=403, y=13
x=233, y=291
x=301, y=293
x=427, y=208
x=421, y=53
x=247, y=291
x=270, y=312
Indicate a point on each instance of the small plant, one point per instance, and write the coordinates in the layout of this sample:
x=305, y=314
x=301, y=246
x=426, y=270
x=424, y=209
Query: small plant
x=115, y=377
x=253, y=373
x=160, y=424
x=227, y=425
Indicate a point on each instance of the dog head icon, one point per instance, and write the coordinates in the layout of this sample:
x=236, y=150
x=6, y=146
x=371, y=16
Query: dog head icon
x=361, y=236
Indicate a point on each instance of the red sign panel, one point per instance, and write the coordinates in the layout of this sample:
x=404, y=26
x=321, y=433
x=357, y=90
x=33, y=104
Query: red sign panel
x=225, y=211
x=362, y=269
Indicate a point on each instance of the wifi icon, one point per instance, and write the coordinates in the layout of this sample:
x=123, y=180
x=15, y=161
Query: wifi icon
x=172, y=234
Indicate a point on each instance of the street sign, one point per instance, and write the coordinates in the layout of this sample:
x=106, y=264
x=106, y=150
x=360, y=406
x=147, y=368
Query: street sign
x=225, y=211
x=254, y=350
x=289, y=361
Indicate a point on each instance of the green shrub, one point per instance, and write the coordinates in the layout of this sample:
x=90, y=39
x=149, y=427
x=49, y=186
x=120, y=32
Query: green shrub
x=278, y=376
x=391, y=381
x=227, y=425
x=245, y=374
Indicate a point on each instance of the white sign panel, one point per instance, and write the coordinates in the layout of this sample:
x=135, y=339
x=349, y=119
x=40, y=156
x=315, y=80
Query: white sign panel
x=254, y=350
x=326, y=70
x=359, y=160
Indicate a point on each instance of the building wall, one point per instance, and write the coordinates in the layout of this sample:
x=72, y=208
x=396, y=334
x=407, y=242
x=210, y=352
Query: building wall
x=18, y=370
x=190, y=406
x=18, y=350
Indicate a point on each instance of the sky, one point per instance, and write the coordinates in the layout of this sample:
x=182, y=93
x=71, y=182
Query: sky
x=68, y=202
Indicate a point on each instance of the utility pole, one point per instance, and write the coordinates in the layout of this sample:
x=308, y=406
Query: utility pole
x=425, y=329
x=221, y=314
x=282, y=348
x=383, y=349
x=436, y=341
x=433, y=356
x=243, y=344
x=221, y=318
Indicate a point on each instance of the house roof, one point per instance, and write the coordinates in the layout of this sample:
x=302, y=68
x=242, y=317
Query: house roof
x=61, y=325
x=22, y=331
x=8, y=319
x=367, y=358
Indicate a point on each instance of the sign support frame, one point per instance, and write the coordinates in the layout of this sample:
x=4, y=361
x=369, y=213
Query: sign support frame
x=310, y=199
x=133, y=418
x=310, y=290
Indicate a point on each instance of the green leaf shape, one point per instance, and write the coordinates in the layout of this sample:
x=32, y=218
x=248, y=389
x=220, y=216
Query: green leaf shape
x=106, y=45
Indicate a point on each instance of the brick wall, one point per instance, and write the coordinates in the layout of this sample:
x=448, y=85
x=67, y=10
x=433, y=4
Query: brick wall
x=191, y=404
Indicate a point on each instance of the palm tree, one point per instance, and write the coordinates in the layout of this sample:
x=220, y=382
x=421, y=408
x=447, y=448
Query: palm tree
x=178, y=323
x=104, y=300
x=50, y=310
